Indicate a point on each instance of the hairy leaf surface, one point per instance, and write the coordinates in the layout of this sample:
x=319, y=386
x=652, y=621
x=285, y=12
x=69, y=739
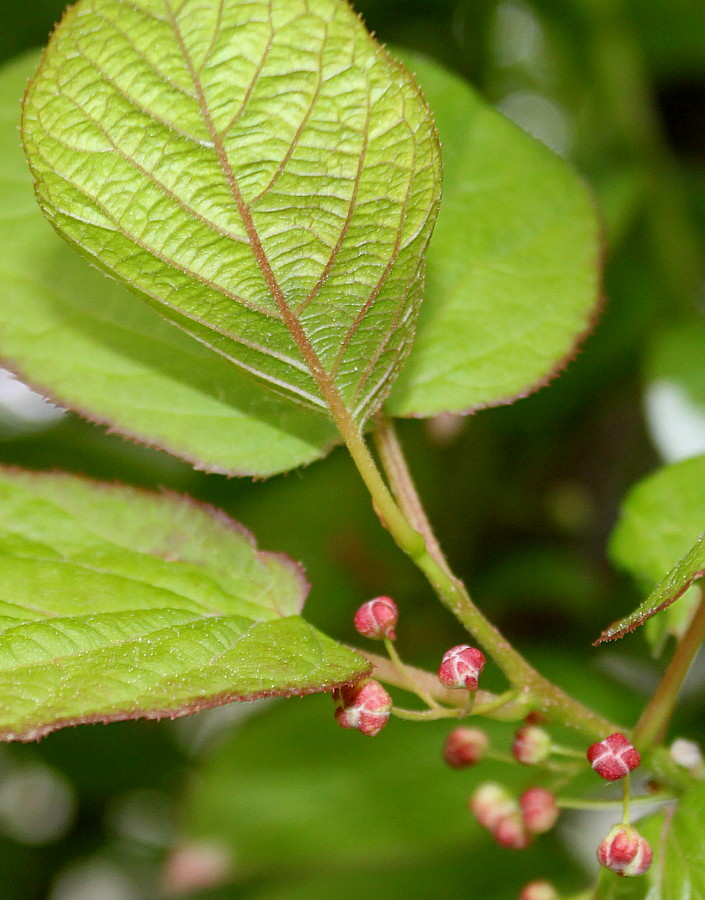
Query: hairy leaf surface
x=118, y=604
x=512, y=278
x=662, y=530
x=259, y=170
x=93, y=346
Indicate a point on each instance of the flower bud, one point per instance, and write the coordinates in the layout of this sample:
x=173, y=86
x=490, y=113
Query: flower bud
x=510, y=831
x=490, y=803
x=539, y=809
x=365, y=706
x=461, y=667
x=465, y=747
x=539, y=890
x=625, y=851
x=614, y=757
x=377, y=619
x=531, y=745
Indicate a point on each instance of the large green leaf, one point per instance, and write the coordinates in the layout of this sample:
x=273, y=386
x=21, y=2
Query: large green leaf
x=118, y=604
x=93, y=346
x=513, y=266
x=661, y=531
x=259, y=170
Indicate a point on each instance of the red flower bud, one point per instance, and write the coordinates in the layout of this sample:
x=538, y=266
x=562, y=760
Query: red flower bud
x=461, y=667
x=511, y=832
x=531, y=745
x=365, y=706
x=490, y=803
x=465, y=747
x=539, y=809
x=625, y=851
x=614, y=757
x=539, y=890
x=377, y=619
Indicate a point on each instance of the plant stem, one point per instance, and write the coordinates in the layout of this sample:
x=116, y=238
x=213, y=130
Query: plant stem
x=651, y=727
x=408, y=524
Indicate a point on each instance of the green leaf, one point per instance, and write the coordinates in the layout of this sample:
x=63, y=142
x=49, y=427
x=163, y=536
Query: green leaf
x=93, y=346
x=660, y=530
x=513, y=267
x=119, y=604
x=677, y=837
x=258, y=170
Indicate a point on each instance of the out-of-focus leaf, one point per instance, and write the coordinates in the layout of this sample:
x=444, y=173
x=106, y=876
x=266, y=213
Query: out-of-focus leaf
x=513, y=266
x=117, y=604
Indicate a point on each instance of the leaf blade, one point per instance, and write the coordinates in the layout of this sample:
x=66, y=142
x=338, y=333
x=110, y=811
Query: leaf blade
x=290, y=245
x=112, y=607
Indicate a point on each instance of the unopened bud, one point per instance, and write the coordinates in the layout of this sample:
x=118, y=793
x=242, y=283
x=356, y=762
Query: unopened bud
x=688, y=755
x=539, y=809
x=377, y=619
x=461, y=667
x=531, y=745
x=614, y=757
x=490, y=803
x=365, y=706
x=465, y=747
x=539, y=890
x=511, y=832
x=625, y=851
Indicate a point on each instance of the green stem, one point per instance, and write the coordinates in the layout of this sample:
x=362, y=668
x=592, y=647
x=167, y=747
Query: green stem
x=574, y=803
x=411, y=685
x=651, y=727
x=408, y=524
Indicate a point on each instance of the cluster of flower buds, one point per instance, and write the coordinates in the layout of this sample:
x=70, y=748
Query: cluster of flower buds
x=513, y=824
x=532, y=745
x=539, y=890
x=465, y=747
x=377, y=619
x=625, y=851
x=613, y=758
x=461, y=667
x=365, y=706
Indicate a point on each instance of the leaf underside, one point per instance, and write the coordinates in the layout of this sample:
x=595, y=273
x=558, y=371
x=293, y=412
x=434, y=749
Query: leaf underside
x=91, y=345
x=119, y=604
x=260, y=171
x=661, y=530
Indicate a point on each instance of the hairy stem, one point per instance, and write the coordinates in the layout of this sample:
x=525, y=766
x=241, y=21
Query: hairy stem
x=408, y=524
x=651, y=727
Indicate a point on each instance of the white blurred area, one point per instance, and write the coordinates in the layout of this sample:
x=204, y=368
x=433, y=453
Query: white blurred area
x=95, y=879
x=676, y=424
x=37, y=804
x=22, y=410
x=519, y=43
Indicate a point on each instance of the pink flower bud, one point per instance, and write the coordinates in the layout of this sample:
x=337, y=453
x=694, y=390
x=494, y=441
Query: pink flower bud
x=614, y=757
x=461, y=667
x=539, y=809
x=511, y=832
x=377, y=619
x=465, y=747
x=365, y=706
x=531, y=745
x=490, y=803
x=539, y=890
x=625, y=851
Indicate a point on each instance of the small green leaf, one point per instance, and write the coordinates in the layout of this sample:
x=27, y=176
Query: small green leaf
x=91, y=345
x=660, y=530
x=677, y=837
x=259, y=170
x=513, y=266
x=118, y=604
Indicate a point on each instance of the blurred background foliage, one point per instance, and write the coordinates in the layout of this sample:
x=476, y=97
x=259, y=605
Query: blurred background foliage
x=272, y=800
